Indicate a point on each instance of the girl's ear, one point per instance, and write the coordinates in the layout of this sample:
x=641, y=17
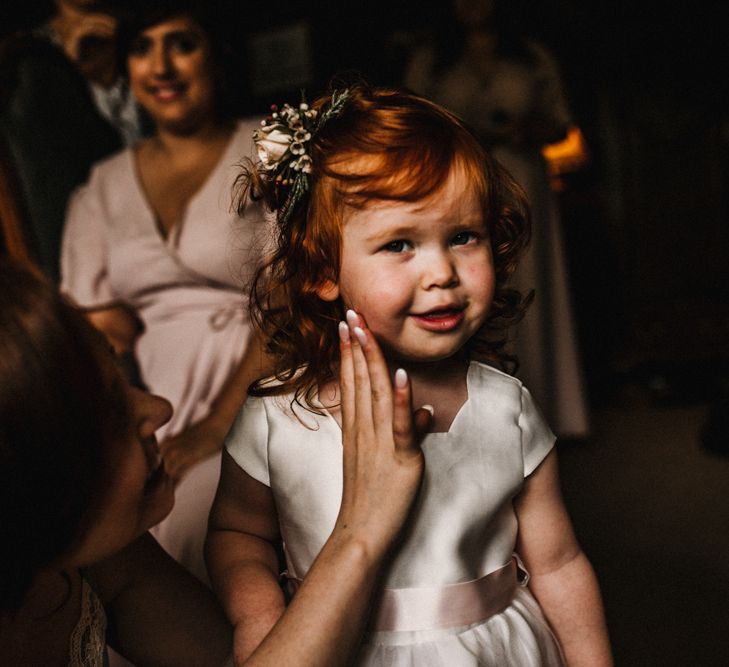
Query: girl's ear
x=328, y=290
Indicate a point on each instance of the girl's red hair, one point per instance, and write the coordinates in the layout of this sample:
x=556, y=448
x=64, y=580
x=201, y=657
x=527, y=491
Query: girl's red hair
x=385, y=145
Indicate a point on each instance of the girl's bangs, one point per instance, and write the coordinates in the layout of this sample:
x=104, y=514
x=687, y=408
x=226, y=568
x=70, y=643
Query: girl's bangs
x=409, y=175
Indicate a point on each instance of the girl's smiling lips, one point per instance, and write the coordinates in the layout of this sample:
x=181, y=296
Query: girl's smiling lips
x=445, y=318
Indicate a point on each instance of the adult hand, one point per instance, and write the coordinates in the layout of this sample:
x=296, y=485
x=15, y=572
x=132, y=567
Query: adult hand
x=383, y=466
x=90, y=44
x=182, y=451
x=383, y=463
x=89, y=27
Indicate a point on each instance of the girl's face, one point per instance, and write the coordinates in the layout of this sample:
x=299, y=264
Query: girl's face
x=139, y=493
x=420, y=273
x=171, y=73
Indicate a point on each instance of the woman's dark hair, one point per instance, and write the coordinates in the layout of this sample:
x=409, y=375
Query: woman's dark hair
x=140, y=15
x=58, y=414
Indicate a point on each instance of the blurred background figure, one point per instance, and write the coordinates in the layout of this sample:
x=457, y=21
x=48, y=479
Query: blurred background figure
x=156, y=257
x=509, y=90
x=86, y=31
x=63, y=105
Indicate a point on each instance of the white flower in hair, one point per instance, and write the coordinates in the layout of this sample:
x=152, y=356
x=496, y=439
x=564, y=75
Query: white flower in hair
x=304, y=164
x=301, y=135
x=271, y=145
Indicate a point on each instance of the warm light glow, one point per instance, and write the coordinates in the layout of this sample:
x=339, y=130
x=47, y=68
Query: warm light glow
x=567, y=155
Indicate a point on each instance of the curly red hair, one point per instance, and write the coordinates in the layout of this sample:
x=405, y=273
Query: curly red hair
x=385, y=145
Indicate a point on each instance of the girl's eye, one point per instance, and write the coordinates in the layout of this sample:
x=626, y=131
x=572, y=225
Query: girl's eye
x=183, y=43
x=396, y=246
x=462, y=238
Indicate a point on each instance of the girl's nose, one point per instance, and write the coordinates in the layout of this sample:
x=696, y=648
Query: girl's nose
x=439, y=271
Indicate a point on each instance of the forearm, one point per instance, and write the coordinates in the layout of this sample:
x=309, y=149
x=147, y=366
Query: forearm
x=254, y=365
x=119, y=326
x=324, y=622
x=244, y=574
x=158, y=613
x=571, y=601
x=206, y=436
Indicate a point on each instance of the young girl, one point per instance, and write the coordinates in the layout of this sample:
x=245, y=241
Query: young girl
x=393, y=217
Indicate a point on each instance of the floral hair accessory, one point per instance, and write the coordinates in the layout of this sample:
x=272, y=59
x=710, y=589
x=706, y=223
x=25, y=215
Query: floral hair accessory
x=283, y=142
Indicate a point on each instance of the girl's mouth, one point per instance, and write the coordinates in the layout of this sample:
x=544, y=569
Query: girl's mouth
x=441, y=319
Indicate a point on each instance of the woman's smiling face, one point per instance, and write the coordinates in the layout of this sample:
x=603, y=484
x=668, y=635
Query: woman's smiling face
x=171, y=73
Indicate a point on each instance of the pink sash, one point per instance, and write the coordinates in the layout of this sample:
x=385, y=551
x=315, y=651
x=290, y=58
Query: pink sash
x=410, y=609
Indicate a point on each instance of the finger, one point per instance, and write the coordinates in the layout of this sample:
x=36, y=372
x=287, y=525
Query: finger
x=402, y=412
x=99, y=21
x=380, y=383
x=346, y=378
x=422, y=419
x=362, y=386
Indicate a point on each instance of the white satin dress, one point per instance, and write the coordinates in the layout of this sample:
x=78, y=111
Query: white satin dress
x=463, y=528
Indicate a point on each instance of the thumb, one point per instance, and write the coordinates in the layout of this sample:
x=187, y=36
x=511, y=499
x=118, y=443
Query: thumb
x=422, y=419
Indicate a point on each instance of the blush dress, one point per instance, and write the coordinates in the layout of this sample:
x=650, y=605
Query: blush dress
x=455, y=593
x=189, y=290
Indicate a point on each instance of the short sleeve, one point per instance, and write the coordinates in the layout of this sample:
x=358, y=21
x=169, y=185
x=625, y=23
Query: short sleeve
x=537, y=440
x=84, y=251
x=247, y=440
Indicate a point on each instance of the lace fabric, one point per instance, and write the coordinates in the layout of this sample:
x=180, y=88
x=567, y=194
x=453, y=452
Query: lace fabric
x=88, y=641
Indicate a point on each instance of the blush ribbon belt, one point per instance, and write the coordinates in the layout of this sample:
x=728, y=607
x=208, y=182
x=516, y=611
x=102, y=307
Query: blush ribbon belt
x=431, y=608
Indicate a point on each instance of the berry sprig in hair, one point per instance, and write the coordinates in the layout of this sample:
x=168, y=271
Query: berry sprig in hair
x=283, y=143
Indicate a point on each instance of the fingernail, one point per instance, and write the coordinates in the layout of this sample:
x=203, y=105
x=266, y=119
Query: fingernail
x=429, y=408
x=401, y=378
x=352, y=318
x=361, y=336
x=343, y=332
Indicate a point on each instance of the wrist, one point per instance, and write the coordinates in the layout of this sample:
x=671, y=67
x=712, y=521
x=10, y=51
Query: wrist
x=356, y=552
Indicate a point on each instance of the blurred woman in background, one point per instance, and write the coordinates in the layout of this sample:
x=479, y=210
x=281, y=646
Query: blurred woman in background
x=159, y=262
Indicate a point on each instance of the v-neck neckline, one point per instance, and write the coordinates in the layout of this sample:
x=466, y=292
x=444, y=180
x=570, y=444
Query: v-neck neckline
x=173, y=233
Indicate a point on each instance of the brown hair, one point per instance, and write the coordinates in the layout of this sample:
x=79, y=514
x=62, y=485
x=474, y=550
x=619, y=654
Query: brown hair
x=385, y=145
x=58, y=418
